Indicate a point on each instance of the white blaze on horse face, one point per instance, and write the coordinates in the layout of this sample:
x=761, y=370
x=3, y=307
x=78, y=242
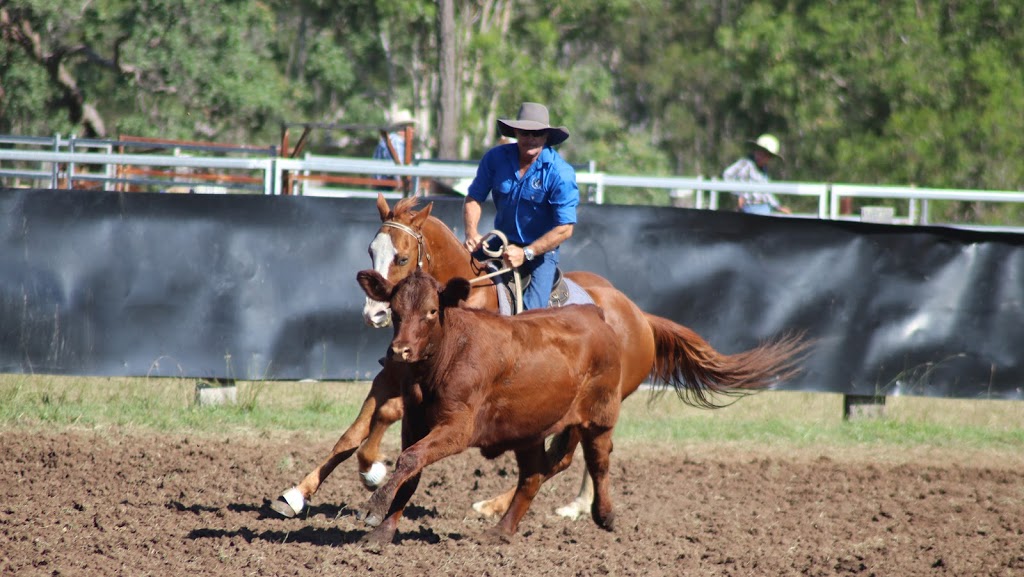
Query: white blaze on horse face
x=382, y=252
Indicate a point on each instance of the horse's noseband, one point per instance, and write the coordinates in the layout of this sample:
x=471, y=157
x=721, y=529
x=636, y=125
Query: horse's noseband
x=421, y=245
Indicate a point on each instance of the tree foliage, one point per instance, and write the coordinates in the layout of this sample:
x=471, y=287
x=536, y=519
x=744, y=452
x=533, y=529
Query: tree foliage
x=924, y=93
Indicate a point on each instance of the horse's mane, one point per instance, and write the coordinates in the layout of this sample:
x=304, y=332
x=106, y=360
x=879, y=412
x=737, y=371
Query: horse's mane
x=405, y=205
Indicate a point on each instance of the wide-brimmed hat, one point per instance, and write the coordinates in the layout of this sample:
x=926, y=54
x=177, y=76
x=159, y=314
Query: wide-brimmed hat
x=533, y=116
x=400, y=119
x=767, y=143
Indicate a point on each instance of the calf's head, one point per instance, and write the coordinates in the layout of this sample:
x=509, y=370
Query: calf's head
x=418, y=304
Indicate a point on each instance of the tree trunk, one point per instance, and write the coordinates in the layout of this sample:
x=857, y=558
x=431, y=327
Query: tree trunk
x=448, y=107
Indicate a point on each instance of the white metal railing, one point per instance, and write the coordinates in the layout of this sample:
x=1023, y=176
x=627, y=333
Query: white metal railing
x=51, y=166
x=917, y=201
x=265, y=166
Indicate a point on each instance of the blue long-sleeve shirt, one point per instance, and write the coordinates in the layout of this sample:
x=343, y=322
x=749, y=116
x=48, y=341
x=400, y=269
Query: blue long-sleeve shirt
x=528, y=207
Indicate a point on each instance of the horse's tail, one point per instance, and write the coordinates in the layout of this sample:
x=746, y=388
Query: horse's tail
x=700, y=374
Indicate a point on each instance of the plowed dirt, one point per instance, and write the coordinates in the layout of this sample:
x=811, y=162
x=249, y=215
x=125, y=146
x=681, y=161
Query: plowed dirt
x=87, y=502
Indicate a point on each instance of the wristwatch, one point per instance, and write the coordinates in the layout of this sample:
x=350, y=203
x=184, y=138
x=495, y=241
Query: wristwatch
x=528, y=253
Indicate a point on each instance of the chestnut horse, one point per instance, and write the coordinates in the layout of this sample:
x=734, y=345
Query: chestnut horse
x=651, y=346
x=498, y=383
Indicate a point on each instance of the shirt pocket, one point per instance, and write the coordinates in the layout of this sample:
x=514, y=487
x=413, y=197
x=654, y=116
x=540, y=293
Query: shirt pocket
x=534, y=191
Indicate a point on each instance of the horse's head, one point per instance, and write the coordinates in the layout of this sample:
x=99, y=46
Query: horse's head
x=398, y=249
x=417, y=305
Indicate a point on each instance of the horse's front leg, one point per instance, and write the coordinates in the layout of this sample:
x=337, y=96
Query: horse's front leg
x=384, y=391
x=372, y=469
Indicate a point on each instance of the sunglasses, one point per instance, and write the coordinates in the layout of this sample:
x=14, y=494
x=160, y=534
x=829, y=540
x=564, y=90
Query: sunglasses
x=541, y=132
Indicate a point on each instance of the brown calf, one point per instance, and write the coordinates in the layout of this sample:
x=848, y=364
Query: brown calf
x=478, y=379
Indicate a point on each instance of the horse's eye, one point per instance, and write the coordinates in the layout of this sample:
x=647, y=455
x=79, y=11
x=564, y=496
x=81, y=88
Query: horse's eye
x=402, y=260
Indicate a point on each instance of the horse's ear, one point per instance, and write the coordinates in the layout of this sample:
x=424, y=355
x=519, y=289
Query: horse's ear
x=421, y=217
x=375, y=285
x=456, y=290
x=383, y=208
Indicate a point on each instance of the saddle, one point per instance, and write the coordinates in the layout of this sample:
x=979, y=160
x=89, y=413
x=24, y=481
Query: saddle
x=564, y=292
x=559, y=291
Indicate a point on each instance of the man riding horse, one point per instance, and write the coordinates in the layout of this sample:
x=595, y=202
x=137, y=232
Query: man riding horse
x=535, y=194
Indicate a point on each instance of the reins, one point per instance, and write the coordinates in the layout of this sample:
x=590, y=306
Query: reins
x=497, y=254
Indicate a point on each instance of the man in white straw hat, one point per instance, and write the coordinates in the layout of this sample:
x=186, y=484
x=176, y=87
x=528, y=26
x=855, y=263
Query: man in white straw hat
x=396, y=134
x=754, y=168
x=535, y=194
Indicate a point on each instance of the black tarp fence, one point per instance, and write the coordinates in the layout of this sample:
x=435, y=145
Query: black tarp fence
x=263, y=288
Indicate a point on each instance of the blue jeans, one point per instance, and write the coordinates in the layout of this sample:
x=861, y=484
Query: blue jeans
x=537, y=295
x=757, y=208
x=543, y=268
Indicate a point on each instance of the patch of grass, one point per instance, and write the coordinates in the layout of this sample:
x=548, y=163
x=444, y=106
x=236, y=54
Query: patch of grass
x=327, y=408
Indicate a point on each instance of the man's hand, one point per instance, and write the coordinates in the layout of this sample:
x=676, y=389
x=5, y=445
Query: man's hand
x=514, y=256
x=473, y=241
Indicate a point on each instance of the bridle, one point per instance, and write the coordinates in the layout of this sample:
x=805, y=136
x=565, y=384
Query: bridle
x=421, y=245
x=421, y=253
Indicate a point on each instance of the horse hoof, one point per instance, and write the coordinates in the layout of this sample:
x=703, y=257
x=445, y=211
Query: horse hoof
x=290, y=503
x=373, y=478
x=487, y=508
x=572, y=511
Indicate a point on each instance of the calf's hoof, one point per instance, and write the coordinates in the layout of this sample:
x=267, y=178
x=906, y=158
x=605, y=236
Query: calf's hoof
x=289, y=504
x=606, y=522
x=372, y=519
x=377, y=538
x=494, y=536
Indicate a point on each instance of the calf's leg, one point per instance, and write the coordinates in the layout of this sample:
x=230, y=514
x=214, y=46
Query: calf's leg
x=597, y=449
x=443, y=441
x=384, y=533
x=532, y=468
x=536, y=466
x=559, y=453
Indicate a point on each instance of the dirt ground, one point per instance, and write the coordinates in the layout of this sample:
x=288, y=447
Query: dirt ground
x=84, y=502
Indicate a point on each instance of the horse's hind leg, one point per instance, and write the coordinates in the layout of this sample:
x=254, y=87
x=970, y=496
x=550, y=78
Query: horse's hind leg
x=581, y=504
x=597, y=449
x=376, y=412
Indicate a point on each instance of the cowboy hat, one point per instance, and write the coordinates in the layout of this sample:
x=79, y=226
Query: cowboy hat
x=401, y=118
x=767, y=143
x=533, y=116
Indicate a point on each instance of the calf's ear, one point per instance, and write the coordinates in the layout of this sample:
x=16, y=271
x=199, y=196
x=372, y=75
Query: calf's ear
x=375, y=285
x=456, y=290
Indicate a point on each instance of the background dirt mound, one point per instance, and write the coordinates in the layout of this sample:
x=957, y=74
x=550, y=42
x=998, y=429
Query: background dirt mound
x=112, y=503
